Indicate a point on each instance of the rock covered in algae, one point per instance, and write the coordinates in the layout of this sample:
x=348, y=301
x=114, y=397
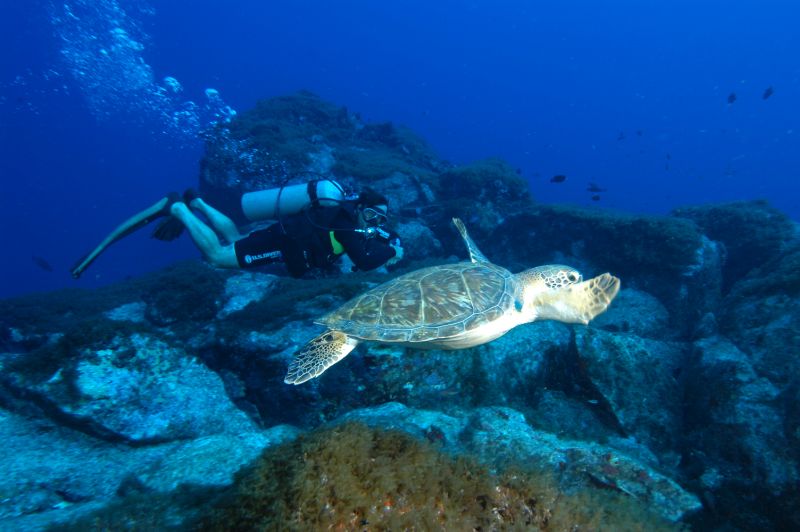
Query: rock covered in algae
x=351, y=477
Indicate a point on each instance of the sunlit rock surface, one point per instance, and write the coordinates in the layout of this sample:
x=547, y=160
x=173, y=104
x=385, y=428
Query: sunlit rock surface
x=682, y=396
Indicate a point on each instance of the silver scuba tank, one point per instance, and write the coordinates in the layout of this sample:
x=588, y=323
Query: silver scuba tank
x=282, y=201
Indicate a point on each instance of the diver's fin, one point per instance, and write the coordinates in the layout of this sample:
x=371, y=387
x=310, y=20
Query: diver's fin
x=135, y=222
x=171, y=228
x=318, y=355
x=189, y=195
x=168, y=229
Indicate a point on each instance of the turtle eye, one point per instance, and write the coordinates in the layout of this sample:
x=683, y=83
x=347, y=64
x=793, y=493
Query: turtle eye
x=572, y=277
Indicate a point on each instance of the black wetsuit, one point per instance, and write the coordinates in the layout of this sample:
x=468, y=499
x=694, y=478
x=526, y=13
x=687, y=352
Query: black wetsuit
x=316, y=238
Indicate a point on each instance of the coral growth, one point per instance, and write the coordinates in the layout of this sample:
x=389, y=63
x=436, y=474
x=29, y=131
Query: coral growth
x=484, y=193
x=292, y=136
x=350, y=476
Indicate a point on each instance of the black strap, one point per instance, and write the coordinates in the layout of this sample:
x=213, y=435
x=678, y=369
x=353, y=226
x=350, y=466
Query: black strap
x=311, y=190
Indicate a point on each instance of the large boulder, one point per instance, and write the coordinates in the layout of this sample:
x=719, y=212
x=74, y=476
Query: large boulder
x=741, y=438
x=636, y=379
x=500, y=437
x=752, y=232
x=667, y=257
x=136, y=389
x=295, y=138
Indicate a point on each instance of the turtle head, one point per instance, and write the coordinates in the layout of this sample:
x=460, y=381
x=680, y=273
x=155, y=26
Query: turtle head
x=559, y=293
x=541, y=287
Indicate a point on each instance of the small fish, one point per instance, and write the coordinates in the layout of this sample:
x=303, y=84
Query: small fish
x=669, y=156
x=42, y=263
x=594, y=187
x=596, y=197
x=621, y=136
x=767, y=93
x=639, y=132
x=731, y=98
x=560, y=178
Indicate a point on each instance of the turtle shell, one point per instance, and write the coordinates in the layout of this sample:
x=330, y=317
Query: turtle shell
x=428, y=304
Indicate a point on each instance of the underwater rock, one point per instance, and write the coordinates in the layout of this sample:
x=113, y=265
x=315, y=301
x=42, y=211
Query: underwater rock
x=500, y=437
x=419, y=242
x=188, y=291
x=253, y=362
x=510, y=369
x=637, y=313
x=767, y=329
x=737, y=424
x=297, y=137
x=42, y=488
x=753, y=232
x=211, y=460
x=636, y=379
x=353, y=477
x=503, y=436
x=762, y=316
x=133, y=312
x=650, y=251
x=402, y=190
x=779, y=276
x=321, y=162
x=699, y=293
x=244, y=288
x=136, y=389
x=52, y=473
x=483, y=194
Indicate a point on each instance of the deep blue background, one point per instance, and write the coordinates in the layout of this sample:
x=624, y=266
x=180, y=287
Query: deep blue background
x=549, y=86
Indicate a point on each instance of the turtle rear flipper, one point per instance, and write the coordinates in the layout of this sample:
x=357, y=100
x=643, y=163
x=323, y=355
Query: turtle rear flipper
x=318, y=355
x=475, y=254
x=581, y=302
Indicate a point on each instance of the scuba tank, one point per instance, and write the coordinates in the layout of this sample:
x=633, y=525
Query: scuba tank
x=276, y=202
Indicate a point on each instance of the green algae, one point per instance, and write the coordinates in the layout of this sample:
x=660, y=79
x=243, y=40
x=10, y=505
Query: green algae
x=353, y=477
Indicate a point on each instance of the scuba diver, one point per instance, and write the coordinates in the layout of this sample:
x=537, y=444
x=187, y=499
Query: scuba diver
x=315, y=226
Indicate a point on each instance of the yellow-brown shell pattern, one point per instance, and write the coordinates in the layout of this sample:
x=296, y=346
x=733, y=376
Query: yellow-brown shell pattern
x=428, y=304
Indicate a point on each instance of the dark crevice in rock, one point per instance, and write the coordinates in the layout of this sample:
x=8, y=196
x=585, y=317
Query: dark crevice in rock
x=567, y=372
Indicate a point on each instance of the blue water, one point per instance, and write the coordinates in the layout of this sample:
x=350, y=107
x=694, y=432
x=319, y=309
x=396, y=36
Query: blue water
x=630, y=95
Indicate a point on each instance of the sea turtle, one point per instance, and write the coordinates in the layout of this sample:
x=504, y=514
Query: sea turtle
x=453, y=306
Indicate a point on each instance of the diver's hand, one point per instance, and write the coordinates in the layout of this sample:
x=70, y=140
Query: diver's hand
x=398, y=252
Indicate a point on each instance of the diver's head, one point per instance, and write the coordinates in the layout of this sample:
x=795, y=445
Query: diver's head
x=372, y=207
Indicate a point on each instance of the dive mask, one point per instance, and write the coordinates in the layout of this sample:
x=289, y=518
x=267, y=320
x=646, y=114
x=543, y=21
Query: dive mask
x=374, y=217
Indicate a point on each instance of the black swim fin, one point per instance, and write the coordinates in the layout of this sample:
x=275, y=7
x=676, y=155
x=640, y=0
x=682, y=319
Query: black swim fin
x=132, y=224
x=168, y=229
x=171, y=228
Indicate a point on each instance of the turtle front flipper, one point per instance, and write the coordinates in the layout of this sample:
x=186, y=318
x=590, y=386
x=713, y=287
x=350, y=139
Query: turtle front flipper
x=318, y=355
x=581, y=302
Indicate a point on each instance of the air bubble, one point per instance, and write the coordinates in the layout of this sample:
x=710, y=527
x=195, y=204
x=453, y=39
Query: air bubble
x=102, y=47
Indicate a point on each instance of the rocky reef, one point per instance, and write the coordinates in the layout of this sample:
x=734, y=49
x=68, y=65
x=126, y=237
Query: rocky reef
x=159, y=402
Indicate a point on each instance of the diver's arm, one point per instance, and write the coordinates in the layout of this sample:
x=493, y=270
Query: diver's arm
x=366, y=252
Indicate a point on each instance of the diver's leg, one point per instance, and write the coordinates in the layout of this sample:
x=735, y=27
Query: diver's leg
x=205, y=238
x=221, y=223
